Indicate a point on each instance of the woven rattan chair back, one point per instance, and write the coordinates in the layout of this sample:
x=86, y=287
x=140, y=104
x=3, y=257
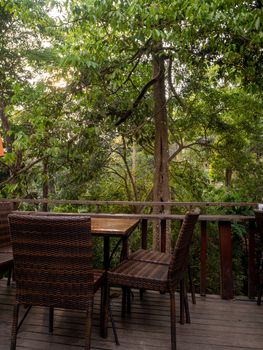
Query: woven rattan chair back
x=52, y=260
x=5, y=209
x=179, y=260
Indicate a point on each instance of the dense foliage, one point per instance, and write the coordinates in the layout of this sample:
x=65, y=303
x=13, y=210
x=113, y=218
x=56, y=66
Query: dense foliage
x=68, y=80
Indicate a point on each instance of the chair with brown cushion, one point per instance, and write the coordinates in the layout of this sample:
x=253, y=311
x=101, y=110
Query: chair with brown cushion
x=259, y=253
x=6, y=254
x=153, y=273
x=53, y=266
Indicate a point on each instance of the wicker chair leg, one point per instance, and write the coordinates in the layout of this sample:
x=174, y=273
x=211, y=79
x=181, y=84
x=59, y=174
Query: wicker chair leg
x=173, y=320
x=128, y=301
x=259, y=294
x=113, y=326
x=186, y=306
x=191, y=284
x=14, y=327
x=182, y=302
x=13, y=275
x=9, y=275
x=104, y=309
x=51, y=319
x=124, y=301
x=88, y=324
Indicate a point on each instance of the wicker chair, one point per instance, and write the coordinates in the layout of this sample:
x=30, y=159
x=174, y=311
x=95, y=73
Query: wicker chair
x=154, y=273
x=259, y=254
x=53, y=267
x=155, y=257
x=6, y=254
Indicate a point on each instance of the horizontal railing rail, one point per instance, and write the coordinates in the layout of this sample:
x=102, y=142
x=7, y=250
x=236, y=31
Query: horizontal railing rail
x=129, y=203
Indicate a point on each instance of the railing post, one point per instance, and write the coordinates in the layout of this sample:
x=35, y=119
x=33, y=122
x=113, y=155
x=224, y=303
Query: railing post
x=163, y=235
x=144, y=225
x=251, y=260
x=203, y=253
x=225, y=243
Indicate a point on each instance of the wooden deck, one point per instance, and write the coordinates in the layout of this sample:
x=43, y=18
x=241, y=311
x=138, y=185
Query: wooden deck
x=216, y=325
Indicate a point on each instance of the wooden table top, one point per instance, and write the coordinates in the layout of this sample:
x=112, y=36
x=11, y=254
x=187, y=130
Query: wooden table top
x=113, y=226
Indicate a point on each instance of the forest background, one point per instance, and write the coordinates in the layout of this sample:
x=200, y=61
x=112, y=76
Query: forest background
x=134, y=100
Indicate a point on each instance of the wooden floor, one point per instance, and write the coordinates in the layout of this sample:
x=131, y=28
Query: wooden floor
x=216, y=325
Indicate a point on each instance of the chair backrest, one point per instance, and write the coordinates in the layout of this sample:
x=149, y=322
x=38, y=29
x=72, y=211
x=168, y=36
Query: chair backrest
x=52, y=260
x=179, y=259
x=259, y=223
x=5, y=209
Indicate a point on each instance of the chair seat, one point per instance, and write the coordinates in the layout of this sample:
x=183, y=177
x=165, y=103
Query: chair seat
x=140, y=274
x=150, y=256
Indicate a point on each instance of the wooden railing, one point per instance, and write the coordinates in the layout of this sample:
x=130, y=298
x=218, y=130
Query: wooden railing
x=224, y=230
x=129, y=203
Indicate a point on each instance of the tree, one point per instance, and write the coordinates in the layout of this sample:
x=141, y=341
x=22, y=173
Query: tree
x=113, y=48
x=21, y=28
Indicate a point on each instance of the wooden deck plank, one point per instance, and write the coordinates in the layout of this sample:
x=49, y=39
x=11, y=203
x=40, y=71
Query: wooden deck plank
x=216, y=325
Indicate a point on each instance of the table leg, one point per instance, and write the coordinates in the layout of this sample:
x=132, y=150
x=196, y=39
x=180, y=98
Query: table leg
x=106, y=258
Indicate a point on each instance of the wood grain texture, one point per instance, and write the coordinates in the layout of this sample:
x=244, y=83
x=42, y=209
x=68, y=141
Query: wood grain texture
x=215, y=325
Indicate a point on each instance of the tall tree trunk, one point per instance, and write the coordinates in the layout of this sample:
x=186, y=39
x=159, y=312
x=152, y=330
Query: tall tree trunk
x=161, y=191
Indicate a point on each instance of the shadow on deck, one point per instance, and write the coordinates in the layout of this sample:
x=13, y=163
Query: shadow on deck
x=216, y=325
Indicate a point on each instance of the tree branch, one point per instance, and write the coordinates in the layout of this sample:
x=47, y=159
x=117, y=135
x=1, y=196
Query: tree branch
x=3, y=163
x=22, y=170
x=171, y=157
x=177, y=97
x=128, y=77
x=126, y=114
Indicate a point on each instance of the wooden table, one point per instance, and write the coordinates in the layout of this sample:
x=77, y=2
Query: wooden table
x=113, y=227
